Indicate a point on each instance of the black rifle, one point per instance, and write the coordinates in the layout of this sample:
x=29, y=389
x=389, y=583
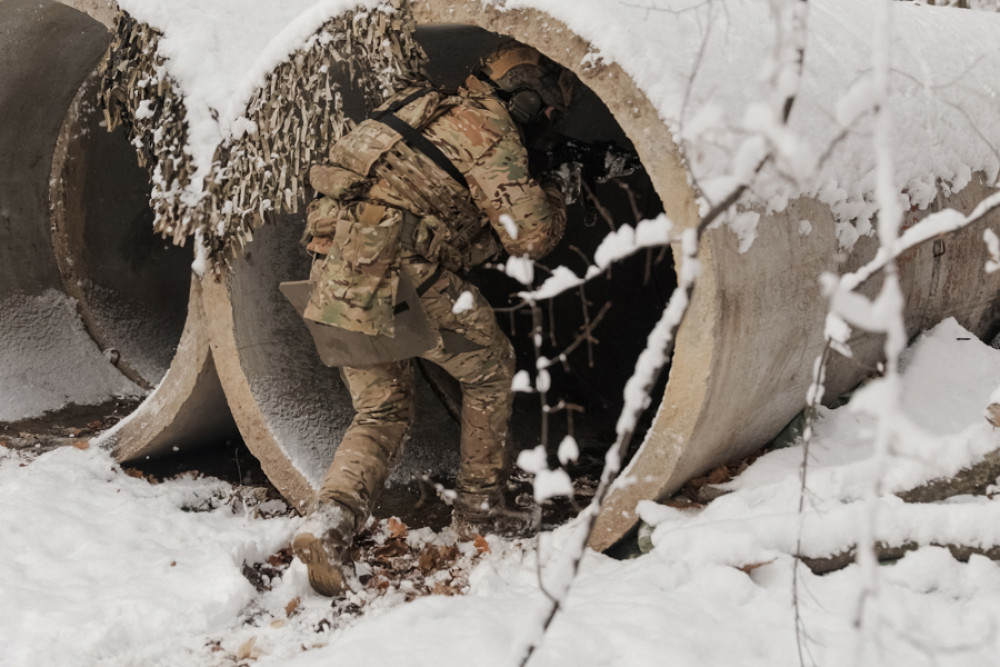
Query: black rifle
x=600, y=161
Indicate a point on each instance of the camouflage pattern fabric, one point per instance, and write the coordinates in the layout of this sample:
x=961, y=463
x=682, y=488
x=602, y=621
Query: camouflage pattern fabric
x=354, y=286
x=356, y=282
x=355, y=289
x=383, y=398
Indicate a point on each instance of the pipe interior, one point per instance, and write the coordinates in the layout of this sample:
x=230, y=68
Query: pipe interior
x=49, y=363
x=131, y=284
x=305, y=404
x=637, y=289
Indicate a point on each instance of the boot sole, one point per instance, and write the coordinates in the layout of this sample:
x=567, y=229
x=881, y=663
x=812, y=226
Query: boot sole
x=325, y=576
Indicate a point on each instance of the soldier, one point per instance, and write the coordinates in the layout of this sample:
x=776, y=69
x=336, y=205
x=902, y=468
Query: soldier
x=416, y=195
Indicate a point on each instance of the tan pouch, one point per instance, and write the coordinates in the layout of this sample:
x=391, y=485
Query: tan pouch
x=322, y=216
x=337, y=182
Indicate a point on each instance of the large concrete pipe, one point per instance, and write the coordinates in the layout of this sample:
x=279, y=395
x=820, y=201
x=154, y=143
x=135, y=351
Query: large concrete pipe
x=745, y=352
x=744, y=355
x=93, y=304
x=292, y=411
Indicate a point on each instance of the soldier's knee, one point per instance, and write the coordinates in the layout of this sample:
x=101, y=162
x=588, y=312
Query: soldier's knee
x=503, y=365
x=399, y=410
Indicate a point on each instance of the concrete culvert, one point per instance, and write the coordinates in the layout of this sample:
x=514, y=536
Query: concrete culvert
x=292, y=411
x=95, y=307
x=745, y=352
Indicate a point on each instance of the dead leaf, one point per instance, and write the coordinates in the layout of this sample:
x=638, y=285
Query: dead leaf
x=448, y=553
x=391, y=549
x=753, y=566
x=482, y=546
x=719, y=475
x=444, y=589
x=430, y=560
x=82, y=444
x=993, y=414
x=94, y=425
x=281, y=558
x=278, y=623
x=292, y=607
x=247, y=649
x=132, y=472
x=397, y=529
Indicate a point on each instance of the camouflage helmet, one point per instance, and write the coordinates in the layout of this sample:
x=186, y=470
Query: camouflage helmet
x=527, y=81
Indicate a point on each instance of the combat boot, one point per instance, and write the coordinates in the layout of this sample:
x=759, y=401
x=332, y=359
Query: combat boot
x=486, y=512
x=323, y=543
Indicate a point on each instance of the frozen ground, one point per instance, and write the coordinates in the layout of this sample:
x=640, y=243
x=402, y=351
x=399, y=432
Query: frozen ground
x=103, y=568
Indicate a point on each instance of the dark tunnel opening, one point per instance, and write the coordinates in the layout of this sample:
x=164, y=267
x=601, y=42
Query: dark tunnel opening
x=132, y=286
x=633, y=292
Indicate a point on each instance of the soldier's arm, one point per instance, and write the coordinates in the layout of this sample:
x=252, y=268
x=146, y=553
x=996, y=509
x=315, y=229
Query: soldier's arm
x=501, y=186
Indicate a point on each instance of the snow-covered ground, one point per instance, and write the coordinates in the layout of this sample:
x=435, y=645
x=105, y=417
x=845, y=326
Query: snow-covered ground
x=103, y=568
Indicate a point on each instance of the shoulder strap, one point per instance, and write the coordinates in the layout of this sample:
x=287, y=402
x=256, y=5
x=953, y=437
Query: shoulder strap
x=415, y=139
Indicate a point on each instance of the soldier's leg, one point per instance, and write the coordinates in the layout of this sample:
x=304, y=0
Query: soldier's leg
x=383, y=402
x=485, y=368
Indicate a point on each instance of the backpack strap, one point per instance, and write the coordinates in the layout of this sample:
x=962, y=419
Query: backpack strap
x=415, y=139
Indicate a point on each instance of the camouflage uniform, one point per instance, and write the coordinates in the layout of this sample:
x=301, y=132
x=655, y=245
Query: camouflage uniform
x=375, y=185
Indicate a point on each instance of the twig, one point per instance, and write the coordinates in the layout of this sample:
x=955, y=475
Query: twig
x=815, y=398
x=584, y=335
x=662, y=339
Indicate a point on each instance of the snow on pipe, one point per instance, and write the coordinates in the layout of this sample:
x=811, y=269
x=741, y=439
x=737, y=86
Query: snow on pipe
x=745, y=353
x=93, y=305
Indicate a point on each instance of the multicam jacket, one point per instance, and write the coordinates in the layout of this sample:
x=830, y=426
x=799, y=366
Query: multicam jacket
x=374, y=179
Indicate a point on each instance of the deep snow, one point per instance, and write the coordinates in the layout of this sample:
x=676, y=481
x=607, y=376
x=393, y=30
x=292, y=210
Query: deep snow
x=101, y=568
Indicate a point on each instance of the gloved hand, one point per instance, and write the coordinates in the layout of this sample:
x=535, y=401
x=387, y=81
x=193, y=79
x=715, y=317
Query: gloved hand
x=568, y=179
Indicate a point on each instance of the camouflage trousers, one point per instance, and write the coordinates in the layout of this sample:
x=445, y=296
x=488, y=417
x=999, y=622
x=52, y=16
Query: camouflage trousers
x=383, y=398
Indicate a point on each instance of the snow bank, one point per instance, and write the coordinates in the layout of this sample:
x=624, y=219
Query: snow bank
x=948, y=377
x=103, y=568
x=100, y=567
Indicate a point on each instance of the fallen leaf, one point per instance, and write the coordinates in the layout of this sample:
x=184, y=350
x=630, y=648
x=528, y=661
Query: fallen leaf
x=753, y=566
x=430, y=560
x=283, y=557
x=449, y=553
x=3, y=443
x=481, y=544
x=94, y=425
x=719, y=475
x=132, y=472
x=993, y=414
x=292, y=607
x=247, y=649
x=82, y=444
x=444, y=589
x=397, y=529
x=278, y=623
x=391, y=549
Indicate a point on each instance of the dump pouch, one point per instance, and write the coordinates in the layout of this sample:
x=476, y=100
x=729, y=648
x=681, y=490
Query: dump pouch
x=339, y=347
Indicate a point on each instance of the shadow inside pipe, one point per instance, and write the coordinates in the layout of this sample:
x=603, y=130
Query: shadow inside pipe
x=131, y=285
x=589, y=383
